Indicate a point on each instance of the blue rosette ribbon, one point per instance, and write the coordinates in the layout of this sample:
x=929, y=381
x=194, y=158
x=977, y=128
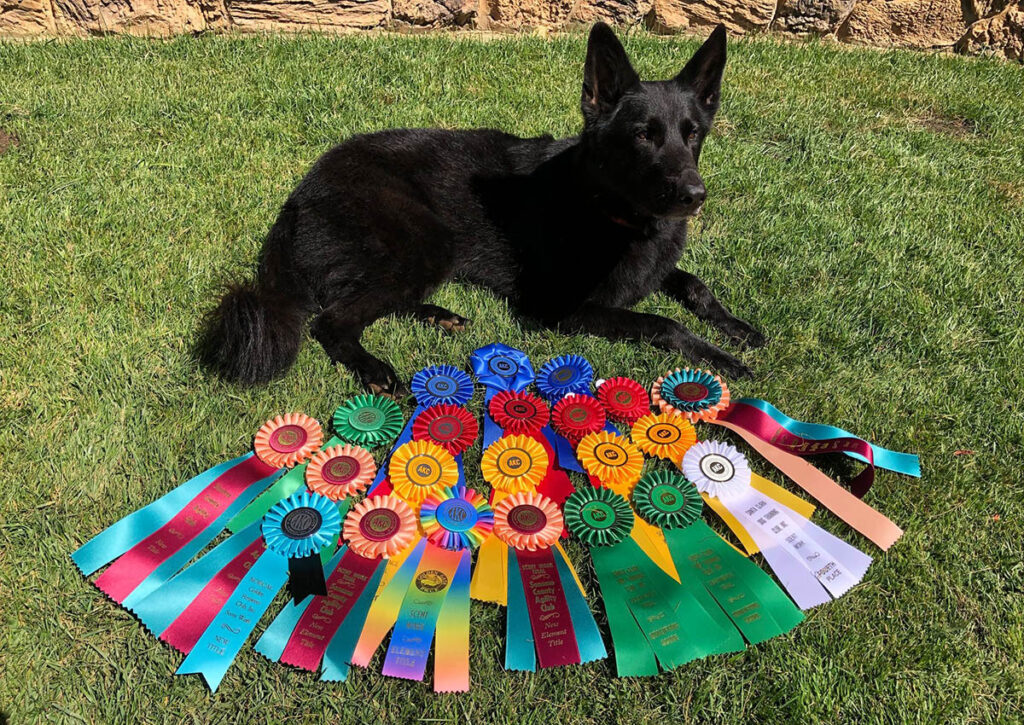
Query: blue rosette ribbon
x=499, y=367
x=433, y=385
x=564, y=375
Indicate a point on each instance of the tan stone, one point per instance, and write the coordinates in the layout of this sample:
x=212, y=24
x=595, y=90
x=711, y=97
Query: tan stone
x=519, y=14
x=614, y=12
x=811, y=17
x=1001, y=34
x=290, y=15
x=25, y=18
x=905, y=23
x=738, y=16
x=136, y=17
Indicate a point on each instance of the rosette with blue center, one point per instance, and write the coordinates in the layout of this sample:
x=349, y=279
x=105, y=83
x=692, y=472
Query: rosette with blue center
x=442, y=385
x=563, y=375
x=458, y=518
x=502, y=367
x=297, y=528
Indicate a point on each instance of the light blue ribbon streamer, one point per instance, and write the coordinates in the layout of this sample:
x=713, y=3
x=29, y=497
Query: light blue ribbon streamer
x=165, y=604
x=905, y=463
x=224, y=638
x=519, y=649
x=343, y=643
x=588, y=636
x=273, y=641
x=133, y=528
x=184, y=555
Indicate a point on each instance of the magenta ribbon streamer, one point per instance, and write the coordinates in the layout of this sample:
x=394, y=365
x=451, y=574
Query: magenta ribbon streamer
x=188, y=531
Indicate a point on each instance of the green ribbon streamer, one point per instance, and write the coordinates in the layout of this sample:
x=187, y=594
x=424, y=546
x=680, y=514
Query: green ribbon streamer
x=750, y=598
x=294, y=480
x=651, y=599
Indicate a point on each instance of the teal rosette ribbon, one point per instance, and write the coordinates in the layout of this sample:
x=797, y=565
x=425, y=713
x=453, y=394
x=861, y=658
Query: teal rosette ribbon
x=564, y=375
x=690, y=391
x=297, y=528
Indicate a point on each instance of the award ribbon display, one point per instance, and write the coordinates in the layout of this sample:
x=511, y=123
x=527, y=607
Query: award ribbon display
x=811, y=563
x=325, y=628
x=294, y=529
x=152, y=544
x=437, y=598
x=366, y=420
x=499, y=368
x=548, y=619
x=433, y=385
x=614, y=462
x=784, y=442
x=525, y=414
x=650, y=618
x=714, y=572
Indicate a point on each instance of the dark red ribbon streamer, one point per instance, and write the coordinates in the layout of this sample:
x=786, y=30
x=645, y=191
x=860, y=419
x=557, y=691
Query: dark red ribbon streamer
x=553, y=634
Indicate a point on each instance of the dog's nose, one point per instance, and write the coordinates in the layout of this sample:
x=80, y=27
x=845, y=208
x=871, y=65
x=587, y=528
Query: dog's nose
x=692, y=196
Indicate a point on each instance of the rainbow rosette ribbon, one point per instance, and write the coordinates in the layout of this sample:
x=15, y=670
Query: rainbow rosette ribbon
x=458, y=518
x=564, y=375
x=812, y=564
x=731, y=589
x=694, y=394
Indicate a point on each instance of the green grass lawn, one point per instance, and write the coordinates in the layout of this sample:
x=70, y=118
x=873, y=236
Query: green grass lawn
x=866, y=211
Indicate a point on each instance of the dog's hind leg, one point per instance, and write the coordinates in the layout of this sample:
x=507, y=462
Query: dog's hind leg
x=443, y=318
x=338, y=328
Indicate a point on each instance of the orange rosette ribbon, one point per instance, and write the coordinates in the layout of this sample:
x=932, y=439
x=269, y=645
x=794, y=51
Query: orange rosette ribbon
x=288, y=439
x=340, y=471
x=380, y=526
x=514, y=464
x=664, y=435
x=420, y=468
x=612, y=459
x=528, y=521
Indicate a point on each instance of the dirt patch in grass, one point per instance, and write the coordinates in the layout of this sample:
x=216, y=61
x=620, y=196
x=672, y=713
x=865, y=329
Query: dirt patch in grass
x=956, y=126
x=7, y=140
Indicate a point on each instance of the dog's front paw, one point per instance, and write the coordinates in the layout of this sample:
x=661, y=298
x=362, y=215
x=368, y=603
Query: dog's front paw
x=380, y=379
x=730, y=367
x=744, y=334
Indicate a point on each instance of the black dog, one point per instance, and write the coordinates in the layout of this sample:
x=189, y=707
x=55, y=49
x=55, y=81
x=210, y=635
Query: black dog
x=572, y=232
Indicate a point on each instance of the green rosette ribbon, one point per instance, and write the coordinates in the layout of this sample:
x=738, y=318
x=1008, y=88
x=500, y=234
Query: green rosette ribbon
x=368, y=420
x=640, y=599
x=735, y=591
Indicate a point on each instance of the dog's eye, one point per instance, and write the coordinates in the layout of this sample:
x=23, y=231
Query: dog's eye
x=641, y=135
x=691, y=137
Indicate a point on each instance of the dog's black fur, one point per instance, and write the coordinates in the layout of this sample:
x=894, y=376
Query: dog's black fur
x=573, y=232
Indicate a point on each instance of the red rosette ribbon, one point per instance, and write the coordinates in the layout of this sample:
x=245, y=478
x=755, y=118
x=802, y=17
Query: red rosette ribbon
x=450, y=426
x=624, y=399
x=574, y=416
x=519, y=413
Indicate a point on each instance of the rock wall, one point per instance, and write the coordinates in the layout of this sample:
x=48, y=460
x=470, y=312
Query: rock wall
x=994, y=27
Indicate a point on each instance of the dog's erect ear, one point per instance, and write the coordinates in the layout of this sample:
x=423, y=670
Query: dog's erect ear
x=607, y=74
x=703, y=74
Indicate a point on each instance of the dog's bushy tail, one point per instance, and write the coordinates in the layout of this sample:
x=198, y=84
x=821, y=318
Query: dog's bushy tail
x=254, y=334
